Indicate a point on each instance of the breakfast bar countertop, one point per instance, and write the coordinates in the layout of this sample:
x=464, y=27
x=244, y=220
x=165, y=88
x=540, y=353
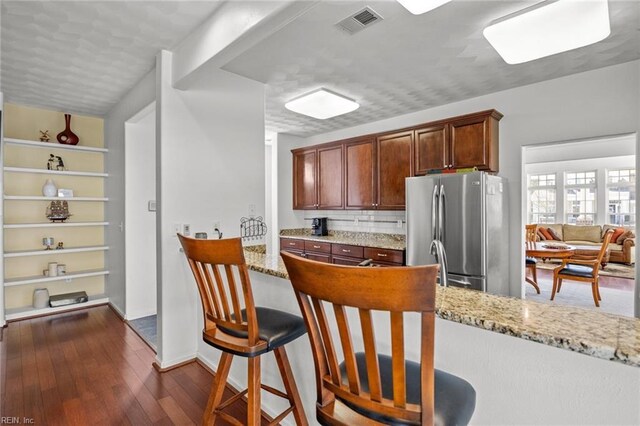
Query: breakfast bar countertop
x=368, y=239
x=601, y=335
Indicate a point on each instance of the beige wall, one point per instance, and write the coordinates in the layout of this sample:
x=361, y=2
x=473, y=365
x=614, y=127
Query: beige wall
x=24, y=123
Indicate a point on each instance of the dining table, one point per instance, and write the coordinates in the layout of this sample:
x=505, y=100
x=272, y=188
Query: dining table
x=543, y=250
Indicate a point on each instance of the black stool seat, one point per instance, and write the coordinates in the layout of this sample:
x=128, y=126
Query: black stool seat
x=455, y=398
x=577, y=271
x=275, y=327
x=531, y=261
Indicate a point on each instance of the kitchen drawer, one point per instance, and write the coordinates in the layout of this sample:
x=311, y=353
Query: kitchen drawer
x=347, y=250
x=340, y=260
x=326, y=258
x=317, y=247
x=291, y=244
x=384, y=255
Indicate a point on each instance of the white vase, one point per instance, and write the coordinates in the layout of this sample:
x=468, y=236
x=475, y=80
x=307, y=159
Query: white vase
x=40, y=298
x=49, y=189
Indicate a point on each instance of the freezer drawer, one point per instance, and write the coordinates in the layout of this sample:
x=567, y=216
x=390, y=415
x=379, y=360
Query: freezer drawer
x=473, y=283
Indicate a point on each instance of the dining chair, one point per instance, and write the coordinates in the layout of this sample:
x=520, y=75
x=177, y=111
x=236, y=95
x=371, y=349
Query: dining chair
x=368, y=387
x=531, y=262
x=585, y=270
x=234, y=325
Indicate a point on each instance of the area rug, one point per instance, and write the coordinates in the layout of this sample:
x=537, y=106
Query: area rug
x=618, y=270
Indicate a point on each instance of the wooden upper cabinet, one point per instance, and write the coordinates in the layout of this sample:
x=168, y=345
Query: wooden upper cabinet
x=330, y=178
x=394, y=158
x=360, y=192
x=431, y=148
x=369, y=172
x=304, y=179
x=474, y=141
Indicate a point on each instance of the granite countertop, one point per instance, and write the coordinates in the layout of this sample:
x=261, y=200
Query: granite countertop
x=600, y=335
x=366, y=239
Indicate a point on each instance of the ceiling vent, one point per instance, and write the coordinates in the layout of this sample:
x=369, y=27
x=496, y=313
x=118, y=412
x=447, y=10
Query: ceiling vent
x=359, y=20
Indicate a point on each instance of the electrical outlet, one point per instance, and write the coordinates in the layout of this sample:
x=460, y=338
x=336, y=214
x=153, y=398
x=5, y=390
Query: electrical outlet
x=186, y=229
x=252, y=210
x=356, y=221
x=177, y=229
x=399, y=223
x=216, y=224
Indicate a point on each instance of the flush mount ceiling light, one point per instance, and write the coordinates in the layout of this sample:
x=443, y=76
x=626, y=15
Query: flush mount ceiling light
x=322, y=104
x=548, y=28
x=418, y=7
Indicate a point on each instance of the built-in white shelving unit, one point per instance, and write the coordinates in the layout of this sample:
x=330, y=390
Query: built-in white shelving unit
x=53, y=225
x=28, y=312
x=43, y=279
x=41, y=198
x=55, y=284
x=24, y=253
x=53, y=145
x=55, y=172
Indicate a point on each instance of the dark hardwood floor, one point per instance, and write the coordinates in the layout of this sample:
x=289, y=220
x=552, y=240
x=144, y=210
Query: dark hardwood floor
x=89, y=368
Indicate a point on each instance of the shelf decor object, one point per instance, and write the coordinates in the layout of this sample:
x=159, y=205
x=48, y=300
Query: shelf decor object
x=47, y=242
x=58, y=211
x=44, y=136
x=67, y=137
x=40, y=298
x=49, y=189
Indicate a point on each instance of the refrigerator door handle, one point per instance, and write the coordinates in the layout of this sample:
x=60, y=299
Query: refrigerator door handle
x=441, y=214
x=461, y=282
x=434, y=212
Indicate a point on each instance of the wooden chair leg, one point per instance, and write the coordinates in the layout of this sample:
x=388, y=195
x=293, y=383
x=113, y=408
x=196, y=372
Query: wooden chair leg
x=594, y=291
x=534, y=273
x=253, y=394
x=290, y=386
x=559, y=284
x=217, y=388
x=555, y=285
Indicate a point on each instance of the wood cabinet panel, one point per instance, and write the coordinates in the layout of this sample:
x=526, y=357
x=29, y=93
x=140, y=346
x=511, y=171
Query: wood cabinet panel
x=304, y=180
x=431, y=148
x=330, y=178
x=291, y=244
x=474, y=141
x=350, y=261
x=394, y=158
x=316, y=246
x=347, y=250
x=360, y=174
x=384, y=255
x=318, y=257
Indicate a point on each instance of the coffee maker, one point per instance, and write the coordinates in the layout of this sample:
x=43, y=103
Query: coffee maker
x=319, y=226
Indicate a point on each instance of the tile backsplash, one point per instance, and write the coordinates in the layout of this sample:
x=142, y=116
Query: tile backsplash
x=385, y=222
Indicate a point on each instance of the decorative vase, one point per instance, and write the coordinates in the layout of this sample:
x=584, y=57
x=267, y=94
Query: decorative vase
x=67, y=137
x=49, y=189
x=40, y=298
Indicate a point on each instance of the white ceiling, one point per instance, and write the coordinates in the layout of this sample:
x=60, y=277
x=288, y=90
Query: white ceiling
x=408, y=63
x=83, y=56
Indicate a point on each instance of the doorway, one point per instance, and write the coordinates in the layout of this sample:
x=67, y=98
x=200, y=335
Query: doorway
x=140, y=224
x=574, y=191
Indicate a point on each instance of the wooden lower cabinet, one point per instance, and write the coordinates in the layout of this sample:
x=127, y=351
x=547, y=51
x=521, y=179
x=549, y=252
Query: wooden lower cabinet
x=341, y=254
x=350, y=261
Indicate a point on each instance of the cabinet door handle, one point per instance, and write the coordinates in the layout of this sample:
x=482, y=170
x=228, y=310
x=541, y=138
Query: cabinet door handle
x=292, y=244
x=346, y=251
x=382, y=255
x=316, y=246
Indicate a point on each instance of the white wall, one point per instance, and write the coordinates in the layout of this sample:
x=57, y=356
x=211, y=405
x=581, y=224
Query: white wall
x=137, y=98
x=211, y=162
x=140, y=248
x=601, y=102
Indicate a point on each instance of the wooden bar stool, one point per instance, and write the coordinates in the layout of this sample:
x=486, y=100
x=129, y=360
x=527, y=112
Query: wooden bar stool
x=233, y=324
x=368, y=388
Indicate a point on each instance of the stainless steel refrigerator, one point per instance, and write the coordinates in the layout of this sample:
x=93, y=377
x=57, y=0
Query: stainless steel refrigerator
x=468, y=213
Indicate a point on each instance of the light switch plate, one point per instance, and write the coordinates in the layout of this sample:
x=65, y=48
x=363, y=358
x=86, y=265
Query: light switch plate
x=152, y=205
